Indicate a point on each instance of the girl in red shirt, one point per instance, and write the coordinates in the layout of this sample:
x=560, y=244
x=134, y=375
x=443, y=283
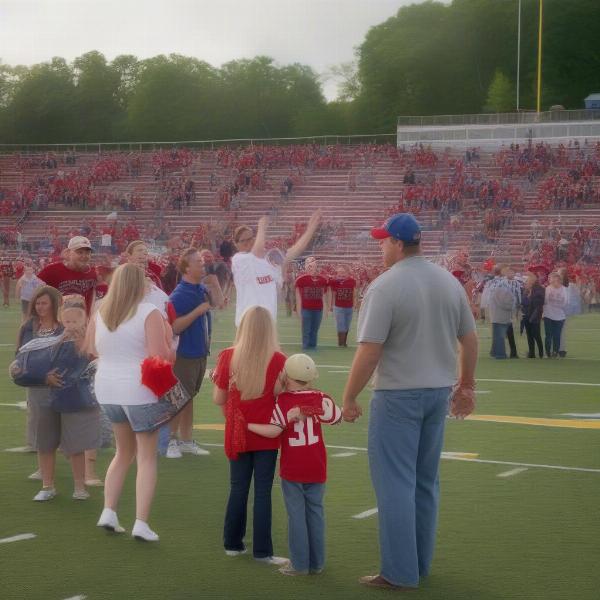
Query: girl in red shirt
x=247, y=378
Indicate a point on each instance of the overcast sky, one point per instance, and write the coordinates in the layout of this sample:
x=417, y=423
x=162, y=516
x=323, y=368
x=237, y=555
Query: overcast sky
x=319, y=33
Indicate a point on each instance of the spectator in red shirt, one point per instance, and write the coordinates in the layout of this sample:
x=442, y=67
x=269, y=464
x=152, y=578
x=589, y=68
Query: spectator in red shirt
x=6, y=273
x=247, y=379
x=74, y=275
x=342, y=301
x=311, y=288
x=297, y=417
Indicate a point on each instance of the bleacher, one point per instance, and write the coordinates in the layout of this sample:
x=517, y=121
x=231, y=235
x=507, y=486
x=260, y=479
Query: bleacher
x=378, y=187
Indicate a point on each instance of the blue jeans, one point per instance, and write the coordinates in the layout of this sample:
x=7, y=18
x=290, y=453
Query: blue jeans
x=311, y=321
x=552, y=331
x=406, y=434
x=343, y=318
x=261, y=463
x=306, y=524
x=499, y=331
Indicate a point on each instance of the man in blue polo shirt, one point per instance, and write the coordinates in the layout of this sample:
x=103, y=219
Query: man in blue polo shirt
x=190, y=303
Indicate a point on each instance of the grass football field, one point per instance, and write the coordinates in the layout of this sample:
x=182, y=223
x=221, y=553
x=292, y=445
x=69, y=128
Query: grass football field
x=519, y=514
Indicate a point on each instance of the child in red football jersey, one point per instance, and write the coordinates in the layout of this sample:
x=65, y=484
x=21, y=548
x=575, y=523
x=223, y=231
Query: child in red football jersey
x=297, y=416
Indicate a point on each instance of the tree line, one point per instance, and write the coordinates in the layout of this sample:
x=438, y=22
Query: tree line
x=430, y=58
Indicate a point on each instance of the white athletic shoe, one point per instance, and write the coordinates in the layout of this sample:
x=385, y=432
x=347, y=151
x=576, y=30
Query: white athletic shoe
x=45, y=494
x=142, y=532
x=173, y=450
x=81, y=495
x=280, y=561
x=235, y=552
x=192, y=448
x=108, y=519
x=36, y=475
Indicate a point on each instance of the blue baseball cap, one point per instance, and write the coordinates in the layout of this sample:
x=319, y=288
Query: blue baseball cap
x=401, y=226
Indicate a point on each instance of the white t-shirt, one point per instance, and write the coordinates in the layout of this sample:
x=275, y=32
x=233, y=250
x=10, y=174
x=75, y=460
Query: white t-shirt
x=256, y=281
x=106, y=239
x=158, y=298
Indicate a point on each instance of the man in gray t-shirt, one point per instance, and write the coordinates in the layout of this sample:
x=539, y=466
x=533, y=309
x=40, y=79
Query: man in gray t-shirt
x=414, y=322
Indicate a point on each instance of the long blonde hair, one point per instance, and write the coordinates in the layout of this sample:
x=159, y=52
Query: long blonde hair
x=127, y=289
x=254, y=346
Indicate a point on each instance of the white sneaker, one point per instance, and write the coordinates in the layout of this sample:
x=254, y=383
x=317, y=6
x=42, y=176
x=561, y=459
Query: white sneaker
x=36, y=475
x=81, y=495
x=173, y=450
x=192, y=448
x=235, y=552
x=142, y=532
x=274, y=560
x=45, y=494
x=108, y=519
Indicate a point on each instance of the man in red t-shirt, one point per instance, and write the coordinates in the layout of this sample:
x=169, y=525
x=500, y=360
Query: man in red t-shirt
x=311, y=288
x=342, y=302
x=297, y=418
x=74, y=275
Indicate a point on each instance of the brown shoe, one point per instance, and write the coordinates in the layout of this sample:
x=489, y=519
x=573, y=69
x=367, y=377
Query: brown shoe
x=378, y=581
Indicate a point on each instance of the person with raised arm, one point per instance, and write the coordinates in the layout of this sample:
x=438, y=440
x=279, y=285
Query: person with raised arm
x=255, y=278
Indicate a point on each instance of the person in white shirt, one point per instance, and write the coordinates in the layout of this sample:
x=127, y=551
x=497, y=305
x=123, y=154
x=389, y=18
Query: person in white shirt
x=255, y=278
x=554, y=314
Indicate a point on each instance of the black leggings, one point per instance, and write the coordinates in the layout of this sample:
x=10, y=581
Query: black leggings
x=534, y=336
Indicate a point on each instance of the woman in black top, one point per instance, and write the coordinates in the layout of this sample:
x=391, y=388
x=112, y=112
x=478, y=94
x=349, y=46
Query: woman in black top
x=532, y=306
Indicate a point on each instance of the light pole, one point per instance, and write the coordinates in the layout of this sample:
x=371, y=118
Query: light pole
x=539, y=65
x=518, y=54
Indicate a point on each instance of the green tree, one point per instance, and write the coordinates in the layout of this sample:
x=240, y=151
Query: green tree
x=96, y=105
x=501, y=96
x=41, y=109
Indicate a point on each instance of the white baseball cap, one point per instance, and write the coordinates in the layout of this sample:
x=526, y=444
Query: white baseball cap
x=301, y=367
x=77, y=242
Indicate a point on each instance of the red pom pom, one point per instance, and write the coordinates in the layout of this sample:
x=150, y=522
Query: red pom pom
x=157, y=375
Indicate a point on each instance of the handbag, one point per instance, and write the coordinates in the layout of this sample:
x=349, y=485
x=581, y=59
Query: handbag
x=158, y=376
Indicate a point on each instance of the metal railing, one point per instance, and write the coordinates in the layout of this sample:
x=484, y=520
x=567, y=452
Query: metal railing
x=326, y=140
x=524, y=118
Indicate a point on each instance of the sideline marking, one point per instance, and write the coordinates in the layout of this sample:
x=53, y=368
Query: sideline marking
x=18, y=538
x=469, y=457
x=512, y=472
x=537, y=421
x=366, y=513
x=23, y=449
x=210, y=427
x=343, y=454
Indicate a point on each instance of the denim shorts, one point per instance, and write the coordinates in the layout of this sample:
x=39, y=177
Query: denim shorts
x=141, y=417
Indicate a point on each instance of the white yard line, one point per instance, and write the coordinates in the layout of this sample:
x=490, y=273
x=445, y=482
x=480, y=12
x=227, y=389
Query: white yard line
x=17, y=538
x=23, y=449
x=343, y=454
x=366, y=513
x=512, y=472
x=590, y=416
x=460, y=456
x=78, y=597
x=542, y=382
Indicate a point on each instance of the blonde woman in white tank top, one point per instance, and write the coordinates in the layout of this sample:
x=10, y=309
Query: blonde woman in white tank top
x=123, y=332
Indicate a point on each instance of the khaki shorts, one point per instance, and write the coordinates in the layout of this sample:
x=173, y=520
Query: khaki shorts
x=73, y=432
x=190, y=372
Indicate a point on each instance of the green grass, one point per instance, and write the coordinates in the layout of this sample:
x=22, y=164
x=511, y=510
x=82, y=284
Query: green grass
x=534, y=535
